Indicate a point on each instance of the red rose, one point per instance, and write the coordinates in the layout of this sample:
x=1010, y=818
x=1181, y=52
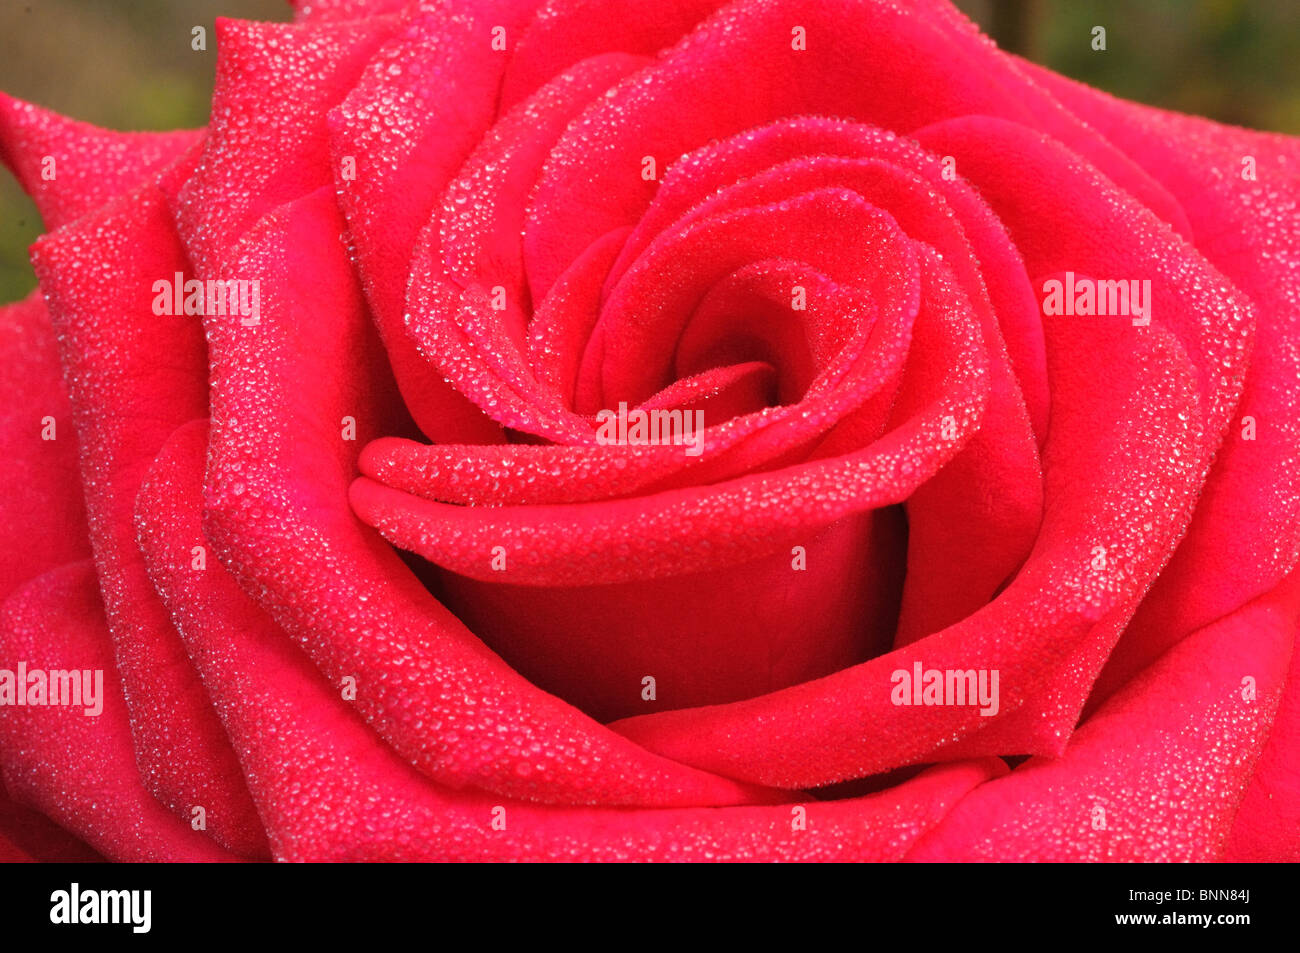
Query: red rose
x=596, y=429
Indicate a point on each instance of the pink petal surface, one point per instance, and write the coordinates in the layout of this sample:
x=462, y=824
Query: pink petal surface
x=79, y=770
x=329, y=791
x=456, y=239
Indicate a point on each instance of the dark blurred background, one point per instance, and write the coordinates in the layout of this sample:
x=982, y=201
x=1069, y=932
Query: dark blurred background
x=127, y=64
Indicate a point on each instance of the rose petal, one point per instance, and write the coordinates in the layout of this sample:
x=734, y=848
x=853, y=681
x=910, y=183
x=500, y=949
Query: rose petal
x=813, y=733
x=1157, y=773
x=305, y=749
x=246, y=169
x=79, y=769
x=136, y=376
x=27, y=836
x=423, y=103
x=44, y=524
x=697, y=528
x=738, y=71
x=1246, y=532
x=330, y=790
x=70, y=168
x=278, y=514
x=1267, y=828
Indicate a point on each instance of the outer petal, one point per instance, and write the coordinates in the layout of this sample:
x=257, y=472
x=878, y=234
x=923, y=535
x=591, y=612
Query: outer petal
x=27, y=836
x=1267, y=829
x=42, y=519
x=246, y=168
x=70, y=167
x=79, y=769
x=135, y=376
x=1158, y=773
x=1246, y=533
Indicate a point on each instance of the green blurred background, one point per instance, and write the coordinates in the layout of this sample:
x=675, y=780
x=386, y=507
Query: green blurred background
x=127, y=64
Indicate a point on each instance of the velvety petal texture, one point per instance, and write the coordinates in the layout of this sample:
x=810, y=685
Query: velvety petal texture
x=701, y=430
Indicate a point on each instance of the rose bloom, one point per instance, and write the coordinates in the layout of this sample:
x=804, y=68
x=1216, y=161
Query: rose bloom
x=985, y=549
